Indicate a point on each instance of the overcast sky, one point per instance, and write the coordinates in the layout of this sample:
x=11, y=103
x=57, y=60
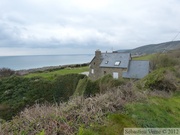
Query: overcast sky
x=29, y=27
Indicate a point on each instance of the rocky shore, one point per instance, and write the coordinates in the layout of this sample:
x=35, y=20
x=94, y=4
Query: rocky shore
x=50, y=68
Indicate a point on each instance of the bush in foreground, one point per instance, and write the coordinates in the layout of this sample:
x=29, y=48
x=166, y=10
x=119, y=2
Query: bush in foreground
x=107, y=113
x=88, y=87
x=69, y=117
x=17, y=92
x=163, y=79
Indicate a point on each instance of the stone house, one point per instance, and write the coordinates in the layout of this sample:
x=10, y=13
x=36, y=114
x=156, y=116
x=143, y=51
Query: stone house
x=118, y=65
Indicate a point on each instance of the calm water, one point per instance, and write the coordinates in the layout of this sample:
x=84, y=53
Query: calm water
x=27, y=62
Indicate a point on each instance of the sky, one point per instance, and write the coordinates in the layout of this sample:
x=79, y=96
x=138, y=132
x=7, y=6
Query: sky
x=52, y=27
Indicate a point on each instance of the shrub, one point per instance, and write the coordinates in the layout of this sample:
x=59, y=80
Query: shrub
x=174, y=53
x=64, y=86
x=92, y=88
x=81, y=87
x=163, y=79
x=164, y=60
x=67, y=117
x=5, y=72
x=89, y=87
x=107, y=82
x=17, y=92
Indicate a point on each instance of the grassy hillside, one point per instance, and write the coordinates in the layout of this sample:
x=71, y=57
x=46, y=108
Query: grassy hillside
x=155, y=112
x=102, y=107
x=145, y=57
x=156, y=48
x=159, y=112
x=52, y=74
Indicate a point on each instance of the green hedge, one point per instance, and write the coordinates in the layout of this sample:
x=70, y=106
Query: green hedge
x=18, y=92
x=64, y=86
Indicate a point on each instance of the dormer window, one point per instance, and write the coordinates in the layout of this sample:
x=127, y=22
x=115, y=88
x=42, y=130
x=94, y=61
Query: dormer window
x=117, y=63
x=106, y=62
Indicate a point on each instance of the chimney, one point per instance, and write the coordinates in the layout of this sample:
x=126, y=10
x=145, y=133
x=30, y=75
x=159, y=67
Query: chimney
x=98, y=53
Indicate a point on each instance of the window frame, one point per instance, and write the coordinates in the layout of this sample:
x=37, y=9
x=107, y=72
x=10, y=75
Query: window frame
x=117, y=63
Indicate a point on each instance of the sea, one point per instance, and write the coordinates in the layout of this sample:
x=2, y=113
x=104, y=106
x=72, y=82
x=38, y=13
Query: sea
x=38, y=61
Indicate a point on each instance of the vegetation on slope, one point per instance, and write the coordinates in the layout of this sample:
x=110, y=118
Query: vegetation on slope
x=159, y=112
x=156, y=48
x=107, y=113
x=69, y=117
x=5, y=72
x=87, y=87
x=105, y=106
x=17, y=92
x=54, y=73
x=144, y=57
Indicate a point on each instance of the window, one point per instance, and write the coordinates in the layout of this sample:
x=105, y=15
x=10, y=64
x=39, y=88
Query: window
x=92, y=71
x=117, y=63
x=104, y=72
x=115, y=75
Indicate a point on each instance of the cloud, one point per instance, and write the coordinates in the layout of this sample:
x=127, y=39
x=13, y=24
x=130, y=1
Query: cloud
x=86, y=24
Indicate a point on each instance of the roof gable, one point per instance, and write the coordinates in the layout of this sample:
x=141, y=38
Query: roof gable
x=137, y=69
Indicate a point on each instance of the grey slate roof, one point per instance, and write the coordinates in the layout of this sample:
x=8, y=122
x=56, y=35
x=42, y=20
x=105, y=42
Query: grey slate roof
x=109, y=59
x=137, y=69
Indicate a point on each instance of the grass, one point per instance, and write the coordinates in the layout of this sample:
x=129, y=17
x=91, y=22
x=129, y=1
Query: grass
x=51, y=74
x=114, y=125
x=157, y=112
x=145, y=57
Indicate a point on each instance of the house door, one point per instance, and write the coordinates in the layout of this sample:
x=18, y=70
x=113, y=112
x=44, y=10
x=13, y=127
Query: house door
x=115, y=75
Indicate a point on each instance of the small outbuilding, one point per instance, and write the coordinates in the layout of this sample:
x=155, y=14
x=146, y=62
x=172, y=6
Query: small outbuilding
x=118, y=65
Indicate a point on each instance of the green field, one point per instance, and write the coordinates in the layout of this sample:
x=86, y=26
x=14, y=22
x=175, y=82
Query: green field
x=145, y=57
x=51, y=74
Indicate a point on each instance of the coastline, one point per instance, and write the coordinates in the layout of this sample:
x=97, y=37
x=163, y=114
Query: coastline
x=49, y=68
